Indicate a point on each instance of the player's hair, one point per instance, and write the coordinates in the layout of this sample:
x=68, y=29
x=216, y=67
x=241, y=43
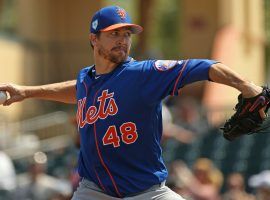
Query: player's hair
x=98, y=35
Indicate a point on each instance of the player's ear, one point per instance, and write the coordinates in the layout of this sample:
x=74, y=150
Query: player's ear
x=93, y=39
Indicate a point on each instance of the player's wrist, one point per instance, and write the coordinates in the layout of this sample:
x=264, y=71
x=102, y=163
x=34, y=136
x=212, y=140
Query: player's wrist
x=249, y=89
x=28, y=92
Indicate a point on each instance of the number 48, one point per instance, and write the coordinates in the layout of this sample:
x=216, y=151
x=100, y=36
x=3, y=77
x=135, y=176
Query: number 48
x=128, y=132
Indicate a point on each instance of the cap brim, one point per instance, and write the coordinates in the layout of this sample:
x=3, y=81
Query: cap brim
x=135, y=29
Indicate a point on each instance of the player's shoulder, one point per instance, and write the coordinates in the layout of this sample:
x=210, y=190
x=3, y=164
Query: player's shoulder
x=83, y=73
x=139, y=64
x=156, y=64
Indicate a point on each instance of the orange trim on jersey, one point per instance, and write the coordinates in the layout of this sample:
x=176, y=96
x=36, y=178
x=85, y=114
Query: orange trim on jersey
x=178, y=78
x=99, y=181
x=100, y=157
x=86, y=90
x=104, y=165
x=85, y=87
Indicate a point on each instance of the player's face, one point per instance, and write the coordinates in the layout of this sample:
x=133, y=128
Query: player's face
x=114, y=45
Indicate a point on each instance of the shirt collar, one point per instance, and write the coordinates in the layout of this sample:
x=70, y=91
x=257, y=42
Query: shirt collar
x=129, y=59
x=92, y=70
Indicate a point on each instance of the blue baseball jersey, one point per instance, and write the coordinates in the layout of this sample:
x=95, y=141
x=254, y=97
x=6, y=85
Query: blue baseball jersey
x=120, y=121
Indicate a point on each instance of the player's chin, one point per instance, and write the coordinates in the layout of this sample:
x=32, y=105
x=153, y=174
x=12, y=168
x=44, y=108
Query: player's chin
x=119, y=57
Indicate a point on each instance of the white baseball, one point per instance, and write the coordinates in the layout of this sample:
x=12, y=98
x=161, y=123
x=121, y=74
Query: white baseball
x=3, y=97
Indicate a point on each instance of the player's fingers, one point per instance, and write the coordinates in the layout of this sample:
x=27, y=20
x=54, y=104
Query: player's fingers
x=6, y=103
x=262, y=112
x=3, y=89
x=12, y=100
x=7, y=87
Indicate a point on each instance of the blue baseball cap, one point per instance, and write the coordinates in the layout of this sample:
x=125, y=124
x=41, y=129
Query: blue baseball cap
x=110, y=18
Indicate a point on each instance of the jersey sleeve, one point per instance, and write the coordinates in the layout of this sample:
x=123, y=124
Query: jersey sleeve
x=166, y=77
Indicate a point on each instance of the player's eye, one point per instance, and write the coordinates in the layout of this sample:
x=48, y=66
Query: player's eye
x=114, y=33
x=128, y=34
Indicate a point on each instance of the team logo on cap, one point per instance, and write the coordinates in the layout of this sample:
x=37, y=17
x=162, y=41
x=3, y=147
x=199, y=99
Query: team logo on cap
x=95, y=24
x=121, y=12
x=164, y=65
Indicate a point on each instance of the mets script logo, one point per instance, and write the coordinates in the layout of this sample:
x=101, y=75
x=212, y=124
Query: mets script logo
x=121, y=12
x=107, y=107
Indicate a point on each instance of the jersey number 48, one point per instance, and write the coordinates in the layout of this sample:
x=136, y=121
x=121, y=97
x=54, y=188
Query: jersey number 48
x=128, y=133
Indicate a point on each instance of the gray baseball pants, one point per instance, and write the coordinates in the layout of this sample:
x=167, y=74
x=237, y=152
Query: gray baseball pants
x=87, y=190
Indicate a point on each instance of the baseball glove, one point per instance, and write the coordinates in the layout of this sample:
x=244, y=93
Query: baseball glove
x=249, y=116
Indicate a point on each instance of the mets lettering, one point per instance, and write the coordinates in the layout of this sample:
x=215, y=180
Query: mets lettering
x=93, y=113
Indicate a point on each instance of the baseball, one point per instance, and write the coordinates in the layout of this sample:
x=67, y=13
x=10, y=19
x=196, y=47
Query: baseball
x=3, y=97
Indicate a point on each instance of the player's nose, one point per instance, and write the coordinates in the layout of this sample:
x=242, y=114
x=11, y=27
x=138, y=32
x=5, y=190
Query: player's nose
x=123, y=39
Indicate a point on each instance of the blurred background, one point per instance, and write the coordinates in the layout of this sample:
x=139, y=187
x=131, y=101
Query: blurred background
x=46, y=41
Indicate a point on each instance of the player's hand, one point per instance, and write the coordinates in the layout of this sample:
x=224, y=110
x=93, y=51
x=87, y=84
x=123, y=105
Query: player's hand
x=250, y=90
x=250, y=113
x=15, y=92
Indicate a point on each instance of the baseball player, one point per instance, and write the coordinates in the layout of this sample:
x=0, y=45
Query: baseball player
x=119, y=110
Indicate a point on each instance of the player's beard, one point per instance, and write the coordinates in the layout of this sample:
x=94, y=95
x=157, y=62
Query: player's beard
x=112, y=54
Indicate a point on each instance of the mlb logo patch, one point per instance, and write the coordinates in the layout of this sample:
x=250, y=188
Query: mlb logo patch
x=95, y=24
x=164, y=65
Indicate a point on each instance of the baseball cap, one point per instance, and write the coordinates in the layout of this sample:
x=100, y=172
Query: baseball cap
x=110, y=18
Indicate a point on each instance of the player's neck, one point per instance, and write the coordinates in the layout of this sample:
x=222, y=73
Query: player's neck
x=104, y=66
